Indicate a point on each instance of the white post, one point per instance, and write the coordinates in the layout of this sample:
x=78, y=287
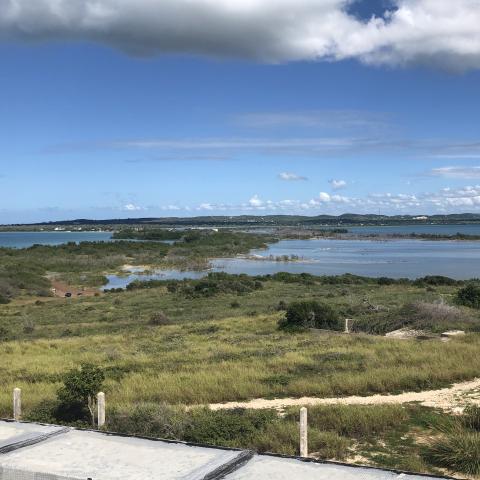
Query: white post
x=347, y=325
x=101, y=409
x=17, y=404
x=303, y=432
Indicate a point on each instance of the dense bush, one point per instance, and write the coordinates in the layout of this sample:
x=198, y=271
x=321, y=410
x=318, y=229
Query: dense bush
x=78, y=395
x=469, y=296
x=436, y=281
x=310, y=314
x=458, y=452
x=215, y=283
x=157, y=420
x=227, y=427
x=4, y=300
x=458, y=446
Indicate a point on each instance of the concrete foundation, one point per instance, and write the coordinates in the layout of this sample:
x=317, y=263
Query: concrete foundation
x=39, y=452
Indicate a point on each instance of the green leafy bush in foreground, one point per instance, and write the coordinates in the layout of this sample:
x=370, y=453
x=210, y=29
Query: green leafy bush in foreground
x=79, y=391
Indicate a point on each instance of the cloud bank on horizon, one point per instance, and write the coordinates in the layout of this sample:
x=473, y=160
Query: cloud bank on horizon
x=430, y=32
x=446, y=200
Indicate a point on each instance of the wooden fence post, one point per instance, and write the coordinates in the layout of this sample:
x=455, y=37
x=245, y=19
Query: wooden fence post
x=17, y=404
x=101, y=409
x=303, y=432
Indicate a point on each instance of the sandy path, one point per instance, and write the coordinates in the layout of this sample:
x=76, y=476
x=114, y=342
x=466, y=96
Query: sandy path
x=453, y=398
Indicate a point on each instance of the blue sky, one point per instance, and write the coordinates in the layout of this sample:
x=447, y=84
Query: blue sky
x=102, y=127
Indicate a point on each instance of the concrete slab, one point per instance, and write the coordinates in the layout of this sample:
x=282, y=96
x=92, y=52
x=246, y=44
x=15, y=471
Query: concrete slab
x=264, y=467
x=80, y=454
x=39, y=452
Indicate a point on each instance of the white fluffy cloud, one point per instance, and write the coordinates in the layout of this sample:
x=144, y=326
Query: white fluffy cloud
x=447, y=200
x=255, y=202
x=337, y=184
x=438, y=32
x=291, y=177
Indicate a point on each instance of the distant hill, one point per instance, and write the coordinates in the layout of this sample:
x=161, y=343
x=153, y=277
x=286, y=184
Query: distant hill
x=279, y=220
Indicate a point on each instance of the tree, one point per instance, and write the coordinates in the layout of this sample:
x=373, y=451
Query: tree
x=80, y=388
x=310, y=314
x=469, y=296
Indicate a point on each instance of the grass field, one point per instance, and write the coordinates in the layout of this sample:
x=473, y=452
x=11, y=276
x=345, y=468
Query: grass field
x=213, y=352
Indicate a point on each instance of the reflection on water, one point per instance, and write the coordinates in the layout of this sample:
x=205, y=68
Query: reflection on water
x=121, y=281
x=392, y=258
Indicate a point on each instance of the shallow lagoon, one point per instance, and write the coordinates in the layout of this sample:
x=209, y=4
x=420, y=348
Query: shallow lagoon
x=373, y=258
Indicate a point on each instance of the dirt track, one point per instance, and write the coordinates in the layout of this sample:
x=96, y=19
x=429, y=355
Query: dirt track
x=60, y=289
x=453, y=399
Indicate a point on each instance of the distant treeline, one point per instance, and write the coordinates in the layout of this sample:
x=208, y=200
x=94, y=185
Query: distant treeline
x=273, y=220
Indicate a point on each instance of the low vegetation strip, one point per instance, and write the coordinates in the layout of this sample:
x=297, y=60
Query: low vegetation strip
x=451, y=399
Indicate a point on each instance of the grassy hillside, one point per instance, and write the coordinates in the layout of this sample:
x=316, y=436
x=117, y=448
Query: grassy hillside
x=224, y=347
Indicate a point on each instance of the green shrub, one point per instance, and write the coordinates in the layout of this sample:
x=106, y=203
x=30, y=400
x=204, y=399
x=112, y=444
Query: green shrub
x=458, y=446
x=228, y=428
x=150, y=420
x=45, y=412
x=435, y=280
x=28, y=326
x=4, y=300
x=458, y=452
x=310, y=314
x=79, y=392
x=471, y=418
x=282, y=306
x=469, y=296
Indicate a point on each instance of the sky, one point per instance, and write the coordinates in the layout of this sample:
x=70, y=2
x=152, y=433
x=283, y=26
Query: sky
x=146, y=108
